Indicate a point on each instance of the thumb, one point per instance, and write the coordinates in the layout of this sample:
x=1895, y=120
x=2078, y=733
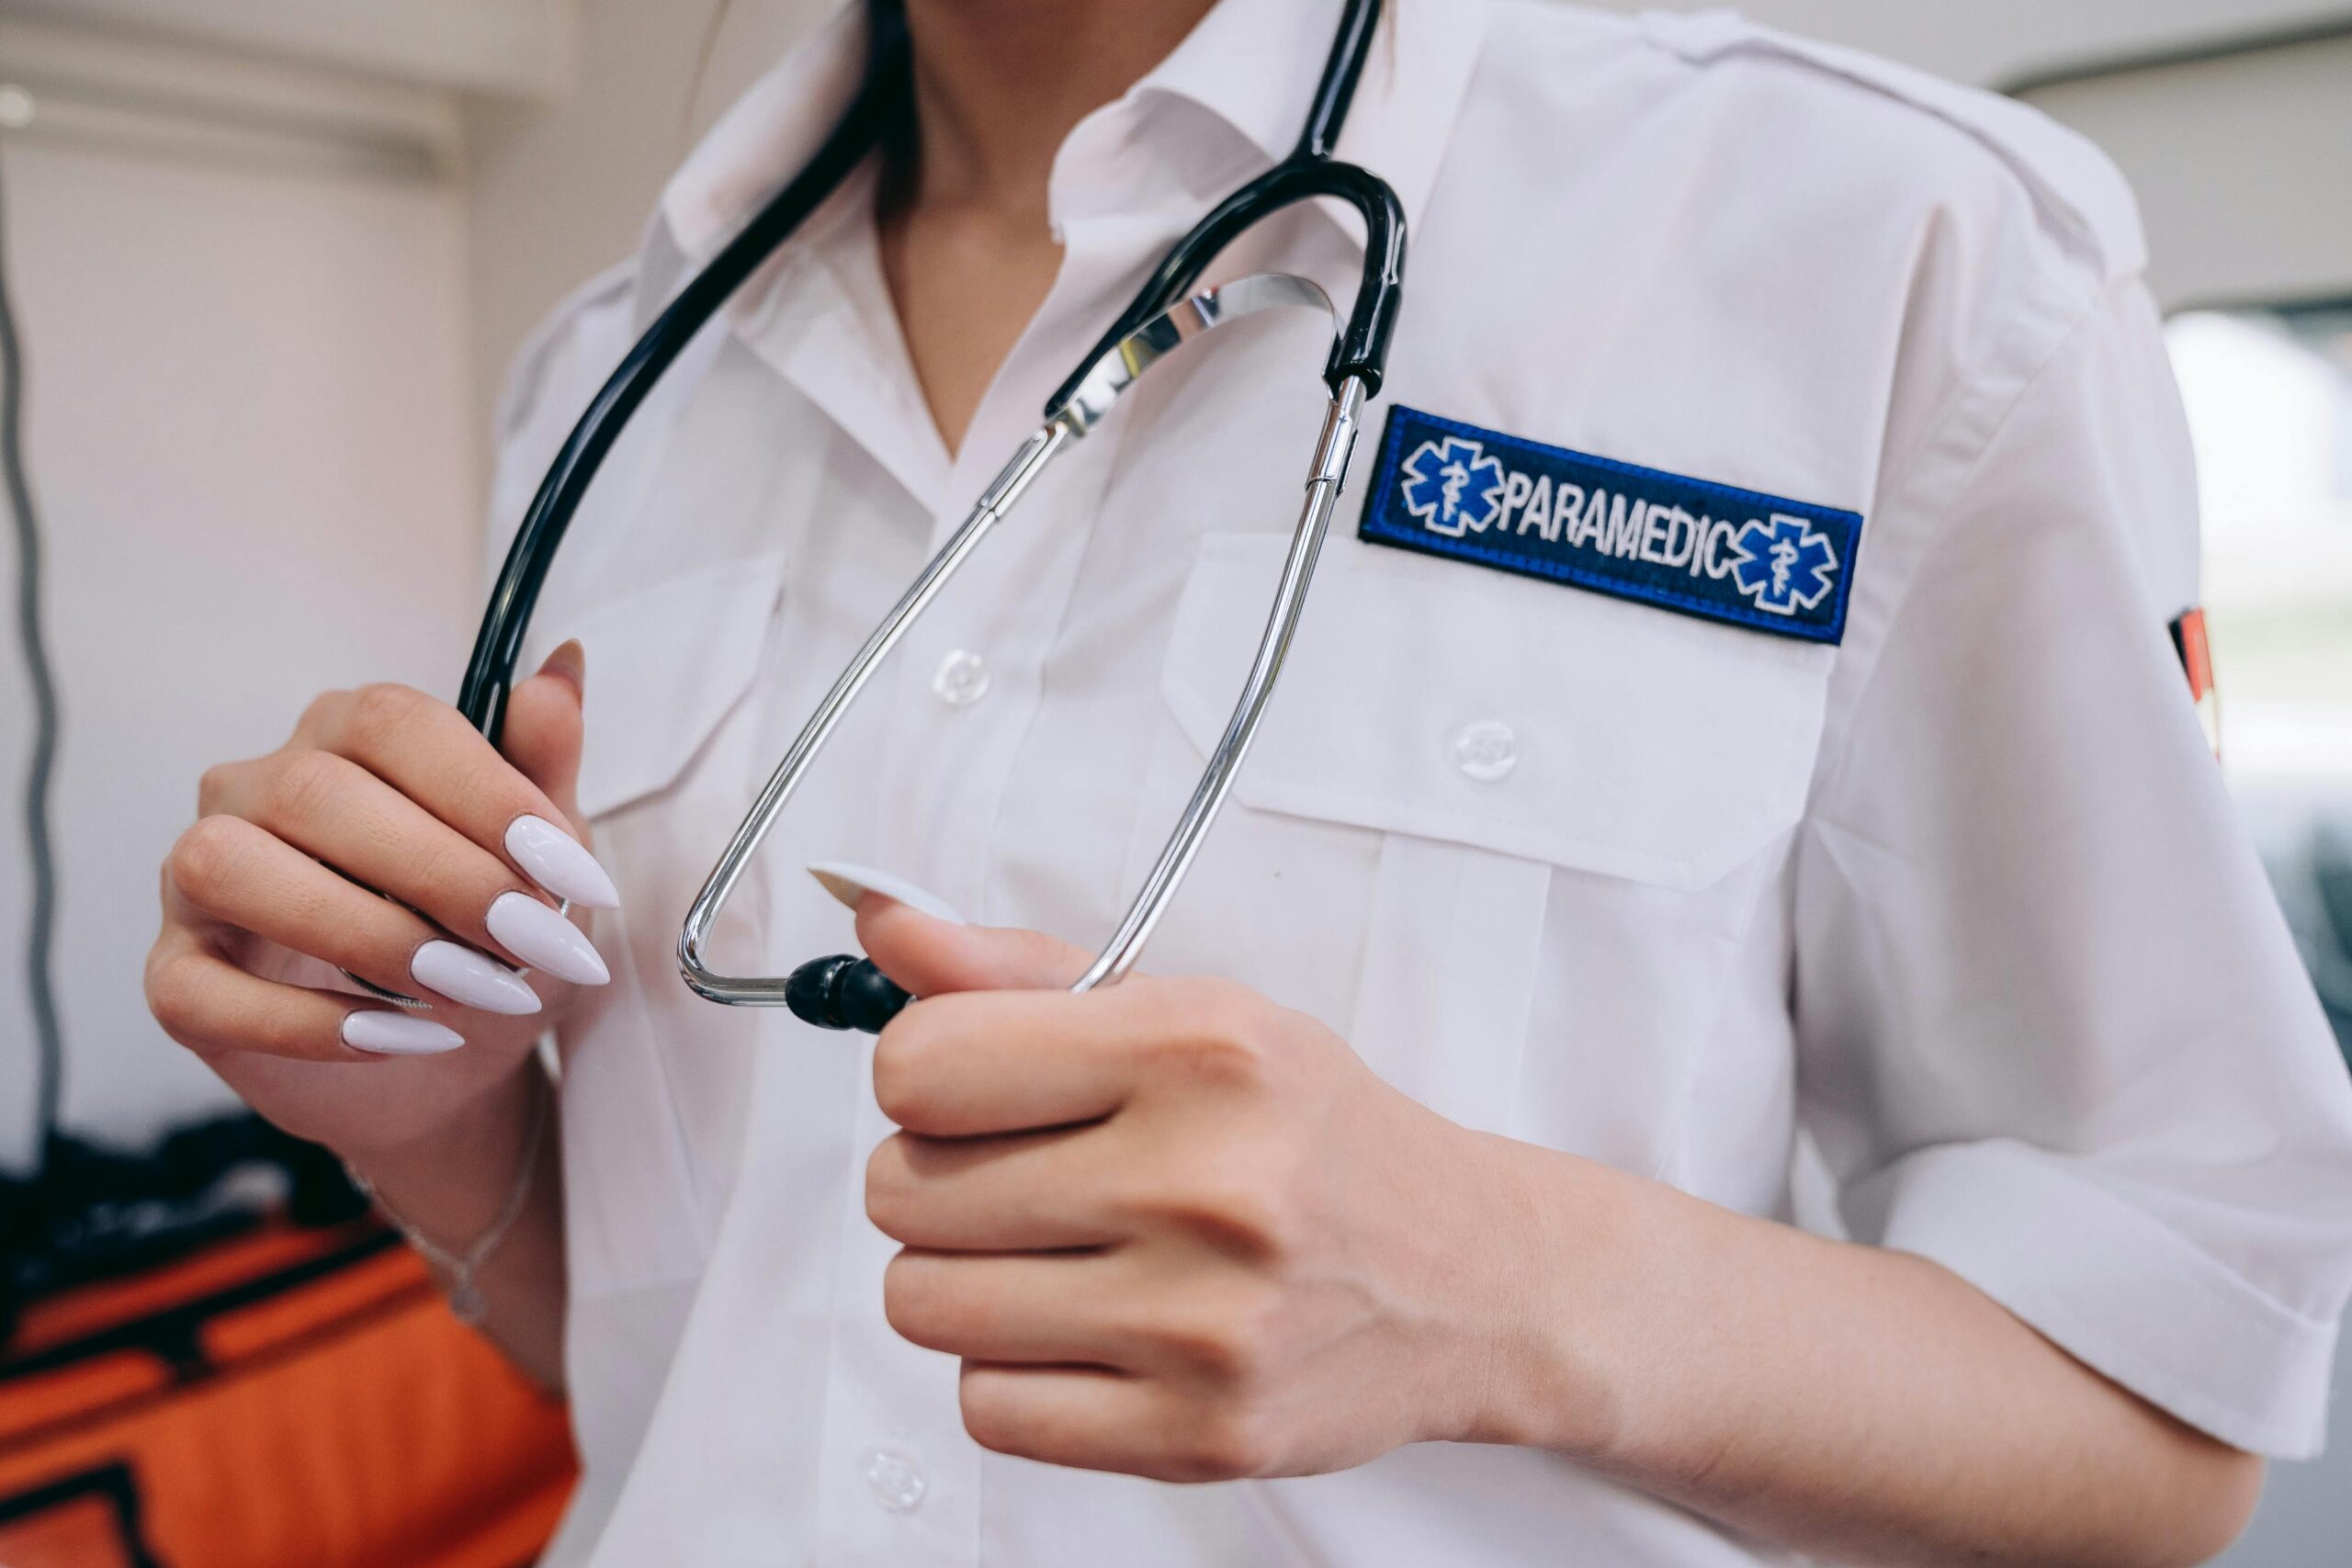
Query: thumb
x=931, y=958
x=544, y=726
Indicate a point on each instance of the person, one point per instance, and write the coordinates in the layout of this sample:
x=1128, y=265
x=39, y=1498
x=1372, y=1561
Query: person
x=1430, y=1196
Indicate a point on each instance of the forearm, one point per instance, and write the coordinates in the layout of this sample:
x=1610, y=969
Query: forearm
x=454, y=1187
x=1852, y=1402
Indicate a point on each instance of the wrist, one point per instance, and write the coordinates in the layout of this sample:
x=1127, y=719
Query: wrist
x=1559, y=1341
x=450, y=1181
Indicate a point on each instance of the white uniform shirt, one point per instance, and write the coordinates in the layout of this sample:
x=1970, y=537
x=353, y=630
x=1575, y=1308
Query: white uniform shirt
x=1960, y=895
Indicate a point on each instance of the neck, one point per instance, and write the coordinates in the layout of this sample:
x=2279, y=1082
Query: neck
x=999, y=84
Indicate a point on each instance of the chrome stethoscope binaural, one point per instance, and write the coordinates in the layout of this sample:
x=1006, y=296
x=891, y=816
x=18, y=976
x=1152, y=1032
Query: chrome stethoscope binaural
x=847, y=993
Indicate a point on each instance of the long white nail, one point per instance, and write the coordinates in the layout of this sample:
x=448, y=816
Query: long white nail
x=560, y=864
x=545, y=939
x=385, y=1034
x=473, y=980
x=850, y=883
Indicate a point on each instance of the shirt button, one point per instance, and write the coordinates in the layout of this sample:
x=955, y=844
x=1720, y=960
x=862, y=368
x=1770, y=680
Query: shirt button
x=963, y=679
x=1487, y=752
x=896, y=1480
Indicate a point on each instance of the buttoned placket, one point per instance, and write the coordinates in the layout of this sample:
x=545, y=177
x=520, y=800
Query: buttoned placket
x=966, y=691
x=886, y=1488
x=903, y=1481
x=900, y=1481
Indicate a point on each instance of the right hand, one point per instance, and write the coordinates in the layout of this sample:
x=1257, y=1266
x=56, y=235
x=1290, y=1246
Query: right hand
x=269, y=893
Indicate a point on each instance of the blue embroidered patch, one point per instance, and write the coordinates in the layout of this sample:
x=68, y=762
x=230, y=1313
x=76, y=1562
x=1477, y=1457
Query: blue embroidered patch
x=1467, y=494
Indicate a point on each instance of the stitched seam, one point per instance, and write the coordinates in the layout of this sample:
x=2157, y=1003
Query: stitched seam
x=2206, y=1259
x=2267, y=1433
x=1834, y=776
x=1522, y=443
x=1382, y=533
x=2282, y=1324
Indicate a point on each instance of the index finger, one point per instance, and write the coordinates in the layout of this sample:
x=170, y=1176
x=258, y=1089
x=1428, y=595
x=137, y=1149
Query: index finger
x=427, y=750
x=975, y=1063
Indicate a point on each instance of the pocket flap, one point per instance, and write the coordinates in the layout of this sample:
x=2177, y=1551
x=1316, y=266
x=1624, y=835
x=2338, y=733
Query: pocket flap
x=1426, y=698
x=665, y=665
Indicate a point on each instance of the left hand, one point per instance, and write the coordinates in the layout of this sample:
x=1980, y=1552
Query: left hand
x=1173, y=1229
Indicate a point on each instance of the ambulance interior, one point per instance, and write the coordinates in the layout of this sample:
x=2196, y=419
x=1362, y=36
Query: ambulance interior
x=268, y=261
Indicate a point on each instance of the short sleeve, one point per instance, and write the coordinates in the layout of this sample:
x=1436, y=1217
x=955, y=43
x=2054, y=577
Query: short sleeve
x=2053, y=1032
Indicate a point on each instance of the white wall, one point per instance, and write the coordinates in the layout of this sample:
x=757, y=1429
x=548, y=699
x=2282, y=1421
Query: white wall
x=561, y=191
x=513, y=46
x=251, y=431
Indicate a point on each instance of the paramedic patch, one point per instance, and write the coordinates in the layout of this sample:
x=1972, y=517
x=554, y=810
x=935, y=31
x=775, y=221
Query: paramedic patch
x=1704, y=549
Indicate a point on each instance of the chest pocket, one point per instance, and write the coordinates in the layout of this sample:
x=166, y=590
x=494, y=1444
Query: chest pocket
x=654, y=1079
x=1451, y=754
x=670, y=662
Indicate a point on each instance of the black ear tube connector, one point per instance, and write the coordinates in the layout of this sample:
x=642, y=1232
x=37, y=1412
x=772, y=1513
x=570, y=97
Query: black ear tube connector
x=845, y=993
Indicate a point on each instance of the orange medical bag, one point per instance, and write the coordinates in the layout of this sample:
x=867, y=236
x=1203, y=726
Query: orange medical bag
x=290, y=1398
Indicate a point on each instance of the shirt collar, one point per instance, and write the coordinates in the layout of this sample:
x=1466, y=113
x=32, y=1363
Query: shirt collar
x=764, y=140
x=1254, y=63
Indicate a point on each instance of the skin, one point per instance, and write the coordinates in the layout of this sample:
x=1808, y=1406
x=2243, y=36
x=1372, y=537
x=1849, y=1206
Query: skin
x=1175, y=1230
x=1170, y=1229
x=394, y=789
x=967, y=244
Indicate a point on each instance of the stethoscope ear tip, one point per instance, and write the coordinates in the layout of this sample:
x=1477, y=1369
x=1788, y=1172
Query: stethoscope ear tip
x=845, y=993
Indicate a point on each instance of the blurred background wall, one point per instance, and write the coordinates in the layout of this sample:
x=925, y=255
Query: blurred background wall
x=272, y=256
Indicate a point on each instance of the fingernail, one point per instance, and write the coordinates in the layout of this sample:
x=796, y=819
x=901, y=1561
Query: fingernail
x=545, y=939
x=473, y=980
x=385, y=1034
x=569, y=661
x=560, y=864
x=850, y=883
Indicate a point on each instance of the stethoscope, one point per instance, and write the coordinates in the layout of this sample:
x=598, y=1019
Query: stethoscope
x=844, y=992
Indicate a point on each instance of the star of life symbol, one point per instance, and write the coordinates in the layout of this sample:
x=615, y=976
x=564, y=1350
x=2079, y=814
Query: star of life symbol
x=1454, y=488
x=1784, y=565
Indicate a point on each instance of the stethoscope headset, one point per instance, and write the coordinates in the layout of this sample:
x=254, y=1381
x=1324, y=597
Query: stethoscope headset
x=850, y=993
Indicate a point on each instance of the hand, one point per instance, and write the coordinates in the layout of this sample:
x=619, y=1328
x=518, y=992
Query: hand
x=381, y=789
x=1172, y=1229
